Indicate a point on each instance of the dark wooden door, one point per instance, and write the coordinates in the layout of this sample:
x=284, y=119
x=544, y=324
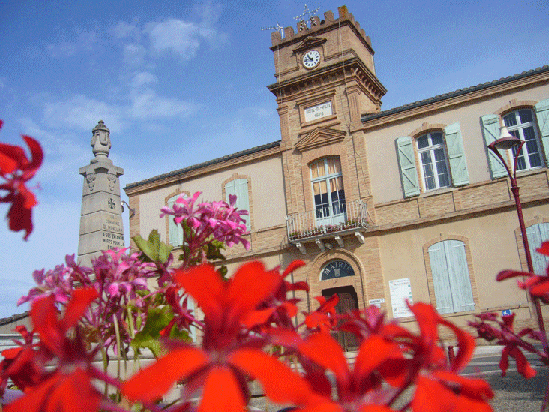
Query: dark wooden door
x=347, y=302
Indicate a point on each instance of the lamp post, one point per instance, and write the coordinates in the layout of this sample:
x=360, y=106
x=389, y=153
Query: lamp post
x=505, y=142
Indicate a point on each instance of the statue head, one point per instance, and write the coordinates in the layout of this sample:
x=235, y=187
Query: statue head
x=100, y=142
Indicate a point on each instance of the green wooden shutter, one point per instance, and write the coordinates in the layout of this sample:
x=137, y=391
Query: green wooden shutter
x=175, y=232
x=537, y=234
x=441, y=281
x=239, y=187
x=456, y=155
x=542, y=115
x=491, y=132
x=458, y=272
x=407, y=163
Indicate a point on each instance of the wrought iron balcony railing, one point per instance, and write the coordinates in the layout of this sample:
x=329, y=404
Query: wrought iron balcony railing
x=337, y=217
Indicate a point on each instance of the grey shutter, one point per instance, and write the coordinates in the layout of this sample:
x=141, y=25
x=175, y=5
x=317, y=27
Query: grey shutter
x=441, y=281
x=456, y=155
x=458, y=272
x=542, y=115
x=407, y=163
x=537, y=234
x=491, y=132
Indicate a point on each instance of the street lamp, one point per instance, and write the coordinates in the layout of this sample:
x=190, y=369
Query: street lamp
x=505, y=142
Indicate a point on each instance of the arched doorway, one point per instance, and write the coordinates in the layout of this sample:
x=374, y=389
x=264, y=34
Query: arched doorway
x=348, y=301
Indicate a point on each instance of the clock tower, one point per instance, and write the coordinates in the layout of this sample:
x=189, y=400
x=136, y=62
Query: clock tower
x=325, y=81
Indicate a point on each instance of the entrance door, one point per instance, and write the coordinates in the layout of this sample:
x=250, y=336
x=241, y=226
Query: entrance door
x=348, y=301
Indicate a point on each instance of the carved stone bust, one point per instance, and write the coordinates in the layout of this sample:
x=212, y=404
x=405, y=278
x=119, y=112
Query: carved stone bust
x=100, y=142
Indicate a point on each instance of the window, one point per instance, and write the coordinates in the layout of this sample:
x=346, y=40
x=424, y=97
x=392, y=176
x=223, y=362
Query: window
x=451, y=281
x=329, y=196
x=537, y=234
x=239, y=187
x=520, y=124
x=432, y=155
x=440, y=156
x=175, y=231
x=530, y=125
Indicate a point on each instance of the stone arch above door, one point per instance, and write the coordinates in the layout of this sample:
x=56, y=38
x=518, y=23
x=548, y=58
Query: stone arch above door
x=317, y=285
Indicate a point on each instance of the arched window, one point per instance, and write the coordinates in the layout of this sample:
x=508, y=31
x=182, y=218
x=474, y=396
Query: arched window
x=329, y=196
x=451, y=281
x=537, y=234
x=520, y=123
x=432, y=155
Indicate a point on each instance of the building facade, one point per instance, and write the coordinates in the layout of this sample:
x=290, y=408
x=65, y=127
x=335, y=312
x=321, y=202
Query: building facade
x=387, y=205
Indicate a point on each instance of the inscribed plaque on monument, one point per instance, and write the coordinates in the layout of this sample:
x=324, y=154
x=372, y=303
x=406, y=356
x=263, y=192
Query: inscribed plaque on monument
x=318, y=112
x=401, y=290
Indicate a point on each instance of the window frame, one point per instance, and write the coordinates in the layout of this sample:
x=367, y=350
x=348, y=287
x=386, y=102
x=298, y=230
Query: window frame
x=327, y=177
x=430, y=149
x=517, y=130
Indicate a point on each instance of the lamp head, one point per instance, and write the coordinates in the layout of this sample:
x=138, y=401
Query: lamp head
x=506, y=141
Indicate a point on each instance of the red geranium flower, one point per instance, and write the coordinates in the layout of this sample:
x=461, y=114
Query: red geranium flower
x=537, y=285
x=67, y=388
x=16, y=169
x=226, y=356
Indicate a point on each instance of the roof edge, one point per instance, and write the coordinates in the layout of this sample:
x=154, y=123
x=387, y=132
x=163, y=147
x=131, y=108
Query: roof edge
x=203, y=164
x=460, y=92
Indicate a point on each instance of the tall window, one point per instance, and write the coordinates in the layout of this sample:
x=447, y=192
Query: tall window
x=520, y=123
x=451, y=281
x=175, y=231
x=239, y=187
x=329, y=196
x=434, y=166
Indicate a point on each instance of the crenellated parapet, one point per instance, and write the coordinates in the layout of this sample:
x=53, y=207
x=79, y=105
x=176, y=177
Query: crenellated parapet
x=315, y=26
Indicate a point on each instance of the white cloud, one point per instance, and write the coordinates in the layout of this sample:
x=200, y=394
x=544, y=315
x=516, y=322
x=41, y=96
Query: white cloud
x=149, y=105
x=143, y=78
x=124, y=30
x=83, y=113
x=134, y=54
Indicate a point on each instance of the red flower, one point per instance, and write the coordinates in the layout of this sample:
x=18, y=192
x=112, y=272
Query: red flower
x=225, y=358
x=69, y=387
x=441, y=388
x=324, y=318
x=16, y=169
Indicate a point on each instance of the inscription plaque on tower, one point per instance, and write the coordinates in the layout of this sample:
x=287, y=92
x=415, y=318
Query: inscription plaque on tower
x=101, y=225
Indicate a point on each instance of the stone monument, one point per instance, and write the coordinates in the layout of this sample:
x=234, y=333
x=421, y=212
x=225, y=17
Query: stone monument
x=101, y=225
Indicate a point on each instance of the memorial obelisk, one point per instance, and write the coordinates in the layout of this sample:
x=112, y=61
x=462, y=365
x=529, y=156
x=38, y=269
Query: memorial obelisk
x=101, y=225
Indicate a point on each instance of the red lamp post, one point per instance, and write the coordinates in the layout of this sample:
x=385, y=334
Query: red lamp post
x=506, y=142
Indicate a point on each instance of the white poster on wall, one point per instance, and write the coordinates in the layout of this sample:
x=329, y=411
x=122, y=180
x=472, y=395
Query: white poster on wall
x=401, y=290
x=318, y=112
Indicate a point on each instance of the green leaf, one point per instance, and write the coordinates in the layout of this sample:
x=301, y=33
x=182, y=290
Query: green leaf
x=149, y=336
x=153, y=248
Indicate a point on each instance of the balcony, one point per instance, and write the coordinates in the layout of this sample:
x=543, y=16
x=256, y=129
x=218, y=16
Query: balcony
x=328, y=221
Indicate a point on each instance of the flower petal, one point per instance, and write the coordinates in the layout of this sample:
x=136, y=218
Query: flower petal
x=204, y=284
x=80, y=301
x=163, y=373
x=280, y=383
x=250, y=286
x=317, y=346
x=222, y=392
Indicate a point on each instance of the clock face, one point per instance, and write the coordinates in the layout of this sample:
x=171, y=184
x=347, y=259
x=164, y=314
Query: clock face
x=311, y=59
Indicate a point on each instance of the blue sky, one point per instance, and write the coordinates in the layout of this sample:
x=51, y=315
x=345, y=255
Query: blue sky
x=179, y=83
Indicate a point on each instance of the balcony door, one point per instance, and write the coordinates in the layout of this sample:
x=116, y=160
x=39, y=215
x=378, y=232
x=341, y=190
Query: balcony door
x=329, y=196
